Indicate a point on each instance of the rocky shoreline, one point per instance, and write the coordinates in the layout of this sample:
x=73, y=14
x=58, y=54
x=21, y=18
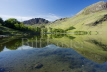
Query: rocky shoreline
x=3, y=36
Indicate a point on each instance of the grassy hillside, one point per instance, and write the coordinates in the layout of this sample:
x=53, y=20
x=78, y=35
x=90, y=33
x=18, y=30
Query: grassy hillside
x=9, y=31
x=85, y=20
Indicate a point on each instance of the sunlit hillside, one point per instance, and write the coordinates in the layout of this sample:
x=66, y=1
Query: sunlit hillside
x=92, y=18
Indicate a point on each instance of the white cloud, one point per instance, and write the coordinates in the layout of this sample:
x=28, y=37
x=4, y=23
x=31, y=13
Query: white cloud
x=50, y=17
x=17, y=17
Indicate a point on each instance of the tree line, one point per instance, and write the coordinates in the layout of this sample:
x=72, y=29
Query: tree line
x=17, y=25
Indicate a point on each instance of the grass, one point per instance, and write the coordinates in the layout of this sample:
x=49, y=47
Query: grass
x=82, y=22
x=9, y=31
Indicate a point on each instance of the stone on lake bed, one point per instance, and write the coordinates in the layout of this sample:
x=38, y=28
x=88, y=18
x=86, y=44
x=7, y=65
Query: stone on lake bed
x=38, y=65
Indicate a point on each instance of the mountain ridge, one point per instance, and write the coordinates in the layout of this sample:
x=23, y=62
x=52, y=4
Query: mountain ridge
x=36, y=21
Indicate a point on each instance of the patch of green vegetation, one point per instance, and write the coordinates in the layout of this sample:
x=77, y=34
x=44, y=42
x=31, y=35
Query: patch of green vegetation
x=58, y=35
x=13, y=27
x=71, y=37
x=58, y=30
x=80, y=32
x=70, y=28
x=44, y=30
x=8, y=31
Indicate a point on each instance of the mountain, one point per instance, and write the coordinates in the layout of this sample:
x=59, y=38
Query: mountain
x=100, y=6
x=91, y=18
x=36, y=21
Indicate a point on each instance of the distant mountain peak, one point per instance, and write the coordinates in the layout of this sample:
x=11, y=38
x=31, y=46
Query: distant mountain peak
x=101, y=2
x=99, y=6
x=36, y=21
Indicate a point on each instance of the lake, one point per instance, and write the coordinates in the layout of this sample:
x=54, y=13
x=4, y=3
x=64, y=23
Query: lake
x=54, y=53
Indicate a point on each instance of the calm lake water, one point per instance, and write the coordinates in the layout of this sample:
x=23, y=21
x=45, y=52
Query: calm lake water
x=54, y=53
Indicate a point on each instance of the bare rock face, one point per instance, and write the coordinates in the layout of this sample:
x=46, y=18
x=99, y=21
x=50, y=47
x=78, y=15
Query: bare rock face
x=38, y=65
x=99, y=6
x=36, y=21
x=61, y=19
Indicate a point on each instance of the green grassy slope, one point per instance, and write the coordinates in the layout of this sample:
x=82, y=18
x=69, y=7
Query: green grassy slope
x=9, y=31
x=85, y=20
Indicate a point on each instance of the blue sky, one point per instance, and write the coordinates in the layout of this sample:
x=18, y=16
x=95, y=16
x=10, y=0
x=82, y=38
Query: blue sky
x=48, y=9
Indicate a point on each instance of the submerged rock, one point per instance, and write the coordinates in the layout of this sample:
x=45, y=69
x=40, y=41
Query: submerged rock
x=38, y=65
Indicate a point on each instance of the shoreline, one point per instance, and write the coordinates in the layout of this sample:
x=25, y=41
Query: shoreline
x=3, y=36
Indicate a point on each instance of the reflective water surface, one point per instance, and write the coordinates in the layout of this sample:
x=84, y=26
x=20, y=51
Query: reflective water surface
x=54, y=53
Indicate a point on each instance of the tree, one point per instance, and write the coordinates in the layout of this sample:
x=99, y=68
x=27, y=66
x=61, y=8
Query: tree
x=15, y=24
x=58, y=31
x=11, y=22
x=50, y=29
x=1, y=21
x=70, y=28
x=1, y=32
x=38, y=30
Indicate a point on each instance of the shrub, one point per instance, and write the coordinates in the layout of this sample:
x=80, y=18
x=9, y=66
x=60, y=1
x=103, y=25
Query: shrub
x=70, y=28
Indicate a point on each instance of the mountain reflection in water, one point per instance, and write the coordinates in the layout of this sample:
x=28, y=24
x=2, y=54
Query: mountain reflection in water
x=54, y=53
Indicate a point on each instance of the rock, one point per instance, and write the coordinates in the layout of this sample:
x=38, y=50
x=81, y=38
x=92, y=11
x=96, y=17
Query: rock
x=61, y=19
x=36, y=21
x=99, y=6
x=38, y=65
